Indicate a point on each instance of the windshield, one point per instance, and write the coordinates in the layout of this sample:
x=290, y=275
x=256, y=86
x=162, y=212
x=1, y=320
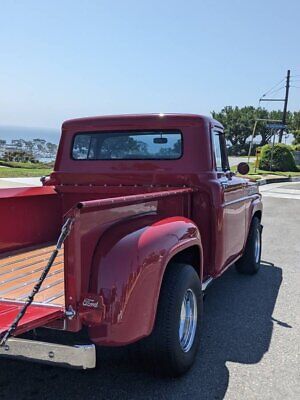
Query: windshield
x=146, y=145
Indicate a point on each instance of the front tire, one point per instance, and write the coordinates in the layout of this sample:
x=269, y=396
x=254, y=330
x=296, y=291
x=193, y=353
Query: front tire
x=171, y=348
x=249, y=263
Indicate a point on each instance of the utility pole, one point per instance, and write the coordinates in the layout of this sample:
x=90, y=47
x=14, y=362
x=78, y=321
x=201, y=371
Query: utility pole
x=286, y=99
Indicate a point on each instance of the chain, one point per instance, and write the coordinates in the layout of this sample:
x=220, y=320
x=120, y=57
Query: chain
x=62, y=237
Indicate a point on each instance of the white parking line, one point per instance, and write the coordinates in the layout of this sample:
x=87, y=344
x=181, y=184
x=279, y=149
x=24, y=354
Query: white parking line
x=286, y=191
x=272, y=186
x=281, y=191
x=282, y=195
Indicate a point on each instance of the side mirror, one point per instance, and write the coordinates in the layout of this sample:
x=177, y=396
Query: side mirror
x=243, y=168
x=47, y=180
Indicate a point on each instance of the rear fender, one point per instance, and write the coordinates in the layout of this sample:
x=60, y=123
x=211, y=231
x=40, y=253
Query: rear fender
x=127, y=272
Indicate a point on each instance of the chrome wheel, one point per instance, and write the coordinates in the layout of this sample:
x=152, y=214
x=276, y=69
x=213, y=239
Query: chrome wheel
x=257, y=246
x=188, y=320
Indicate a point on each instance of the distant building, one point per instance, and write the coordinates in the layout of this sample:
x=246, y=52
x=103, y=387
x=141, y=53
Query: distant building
x=39, y=148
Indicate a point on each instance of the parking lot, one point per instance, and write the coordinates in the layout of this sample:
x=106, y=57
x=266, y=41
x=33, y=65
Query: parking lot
x=250, y=345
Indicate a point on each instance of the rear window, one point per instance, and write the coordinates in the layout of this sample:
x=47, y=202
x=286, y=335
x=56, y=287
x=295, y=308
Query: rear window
x=146, y=145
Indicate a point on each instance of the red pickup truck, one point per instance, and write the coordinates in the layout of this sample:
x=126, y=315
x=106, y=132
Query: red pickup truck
x=151, y=214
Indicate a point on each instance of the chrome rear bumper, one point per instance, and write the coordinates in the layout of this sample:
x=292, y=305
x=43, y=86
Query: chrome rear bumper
x=82, y=357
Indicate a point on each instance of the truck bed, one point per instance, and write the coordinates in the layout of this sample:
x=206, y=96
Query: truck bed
x=21, y=270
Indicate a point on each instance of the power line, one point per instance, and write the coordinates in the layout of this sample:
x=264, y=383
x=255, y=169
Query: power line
x=273, y=87
x=277, y=90
x=284, y=100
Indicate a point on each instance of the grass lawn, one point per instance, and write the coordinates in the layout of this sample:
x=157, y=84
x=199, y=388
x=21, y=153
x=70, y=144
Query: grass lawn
x=8, y=172
x=18, y=170
x=10, y=169
x=259, y=173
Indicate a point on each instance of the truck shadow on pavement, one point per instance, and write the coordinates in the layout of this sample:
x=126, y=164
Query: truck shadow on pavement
x=237, y=328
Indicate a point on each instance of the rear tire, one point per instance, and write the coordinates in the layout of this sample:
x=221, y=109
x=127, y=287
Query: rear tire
x=249, y=263
x=171, y=348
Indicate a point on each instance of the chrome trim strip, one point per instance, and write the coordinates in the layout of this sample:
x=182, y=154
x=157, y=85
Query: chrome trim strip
x=34, y=303
x=26, y=266
x=20, y=286
x=57, y=296
x=252, y=197
x=206, y=283
x=82, y=357
x=44, y=288
x=23, y=275
x=22, y=259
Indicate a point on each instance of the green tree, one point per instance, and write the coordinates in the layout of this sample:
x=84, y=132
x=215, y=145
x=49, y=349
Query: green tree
x=296, y=137
x=295, y=127
x=239, y=122
x=51, y=148
x=19, y=156
x=123, y=146
x=238, y=126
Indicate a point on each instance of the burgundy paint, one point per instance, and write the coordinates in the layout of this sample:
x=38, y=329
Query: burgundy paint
x=35, y=316
x=29, y=216
x=118, y=250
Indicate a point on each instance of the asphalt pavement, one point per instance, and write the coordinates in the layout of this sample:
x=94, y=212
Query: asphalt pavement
x=250, y=342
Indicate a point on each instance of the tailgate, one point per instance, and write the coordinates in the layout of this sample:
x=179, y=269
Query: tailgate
x=35, y=316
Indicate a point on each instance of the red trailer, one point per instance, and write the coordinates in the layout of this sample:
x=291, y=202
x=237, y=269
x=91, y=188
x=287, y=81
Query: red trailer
x=152, y=215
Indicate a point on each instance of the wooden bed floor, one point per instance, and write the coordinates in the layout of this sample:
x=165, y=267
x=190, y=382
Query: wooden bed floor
x=20, y=272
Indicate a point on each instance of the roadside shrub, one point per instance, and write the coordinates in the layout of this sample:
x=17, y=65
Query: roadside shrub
x=19, y=156
x=282, y=159
x=296, y=140
x=26, y=165
x=296, y=147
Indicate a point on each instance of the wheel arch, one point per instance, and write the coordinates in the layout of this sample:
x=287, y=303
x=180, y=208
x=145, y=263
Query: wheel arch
x=133, y=269
x=255, y=210
x=191, y=255
x=258, y=214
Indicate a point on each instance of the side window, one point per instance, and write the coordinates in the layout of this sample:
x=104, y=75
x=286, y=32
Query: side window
x=220, y=150
x=217, y=149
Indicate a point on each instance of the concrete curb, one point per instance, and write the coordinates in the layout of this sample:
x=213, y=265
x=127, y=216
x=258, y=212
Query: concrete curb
x=262, y=182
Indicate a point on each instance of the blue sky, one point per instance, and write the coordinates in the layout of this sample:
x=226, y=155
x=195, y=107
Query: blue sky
x=65, y=59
